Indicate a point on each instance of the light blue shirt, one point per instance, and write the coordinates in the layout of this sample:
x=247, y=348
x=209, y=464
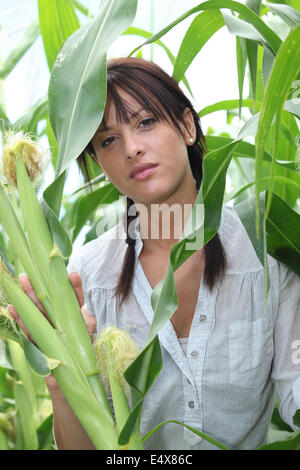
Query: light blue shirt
x=223, y=379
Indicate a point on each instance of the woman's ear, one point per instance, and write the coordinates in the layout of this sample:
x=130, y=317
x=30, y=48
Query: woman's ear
x=189, y=128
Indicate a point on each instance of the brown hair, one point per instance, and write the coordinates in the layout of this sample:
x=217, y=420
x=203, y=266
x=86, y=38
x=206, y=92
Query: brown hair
x=160, y=94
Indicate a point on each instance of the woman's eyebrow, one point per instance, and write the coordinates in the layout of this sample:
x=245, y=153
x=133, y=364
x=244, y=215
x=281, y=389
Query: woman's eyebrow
x=103, y=129
x=132, y=116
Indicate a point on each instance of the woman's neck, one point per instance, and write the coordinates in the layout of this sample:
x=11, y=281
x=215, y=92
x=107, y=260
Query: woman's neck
x=161, y=224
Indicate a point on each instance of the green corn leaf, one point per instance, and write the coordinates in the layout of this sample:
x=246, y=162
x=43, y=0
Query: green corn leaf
x=39, y=235
x=271, y=39
x=58, y=20
x=280, y=238
x=20, y=246
x=24, y=373
x=53, y=193
x=52, y=144
x=29, y=120
x=7, y=331
x=30, y=36
x=35, y=358
x=45, y=433
x=5, y=361
x=241, y=61
x=296, y=418
x=74, y=112
x=281, y=179
x=286, y=12
x=202, y=28
x=5, y=123
x=82, y=8
x=267, y=64
x=70, y=319
x=96, y=420
x=291, y=443
x=3, y=441
x=252, y=50
x=228, y=105
x=32, y=212
x=142, y=372
x=211, y=440
x=93, y=182
x=283, y=234
x=60, y=237
x=141, y=32
x=140, y=375
x=277, y=421
x=246, y=212
x=19, y=441
x=285, y=69
x=27, y=421
x=255, y=5
x=251, y=127
x=242, y=28
x=293, y=106
x=47, y=339
x=89, y=202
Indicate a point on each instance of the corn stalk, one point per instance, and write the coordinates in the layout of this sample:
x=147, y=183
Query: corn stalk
x=66, y=339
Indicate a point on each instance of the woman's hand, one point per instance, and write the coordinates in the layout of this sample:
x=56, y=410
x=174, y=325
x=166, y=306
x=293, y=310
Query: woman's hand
x=69, y=433
x=89, y=319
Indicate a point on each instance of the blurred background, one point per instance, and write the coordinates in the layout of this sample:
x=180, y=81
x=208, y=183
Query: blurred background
x=210, y=75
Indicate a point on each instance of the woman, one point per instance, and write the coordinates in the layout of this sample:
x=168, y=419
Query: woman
x=223, y=354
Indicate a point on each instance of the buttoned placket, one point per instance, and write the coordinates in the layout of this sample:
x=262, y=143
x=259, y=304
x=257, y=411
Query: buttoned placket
x=190, y=365
x=201, y=328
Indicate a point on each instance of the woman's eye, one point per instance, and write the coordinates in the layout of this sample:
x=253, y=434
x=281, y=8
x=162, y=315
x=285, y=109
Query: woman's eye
x=148, y=122
x=107, y=141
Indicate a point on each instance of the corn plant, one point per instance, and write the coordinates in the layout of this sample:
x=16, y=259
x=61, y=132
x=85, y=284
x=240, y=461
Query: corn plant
x=264, y=171
x=25, y=406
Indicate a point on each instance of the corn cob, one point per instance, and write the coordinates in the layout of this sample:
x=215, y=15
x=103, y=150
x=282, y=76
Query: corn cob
x=20, y=246
x=69, y=317
x=39, y=236
x=45, y=336
x=116, y=350
x=25, y=410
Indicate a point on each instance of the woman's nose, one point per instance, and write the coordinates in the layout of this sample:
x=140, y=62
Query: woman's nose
x=133, y=146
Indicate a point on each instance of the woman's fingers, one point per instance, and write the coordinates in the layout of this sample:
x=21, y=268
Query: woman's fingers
x=53, y=386
x=75, y=280
x=19, y=322
x=28, y=289
x=90, y=321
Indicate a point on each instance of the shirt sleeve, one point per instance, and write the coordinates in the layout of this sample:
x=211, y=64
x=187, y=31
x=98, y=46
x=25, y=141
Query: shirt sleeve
x=286, y=362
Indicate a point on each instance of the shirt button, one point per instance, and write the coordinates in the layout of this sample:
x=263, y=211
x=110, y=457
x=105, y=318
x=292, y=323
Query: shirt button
x=202, y=317
x=194, y=354
x=191, y=404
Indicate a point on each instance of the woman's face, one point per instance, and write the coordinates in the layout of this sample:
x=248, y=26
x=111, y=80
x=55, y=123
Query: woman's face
x=145, y=159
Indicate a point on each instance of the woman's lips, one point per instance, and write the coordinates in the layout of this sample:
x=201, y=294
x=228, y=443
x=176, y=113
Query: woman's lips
x=143, y=174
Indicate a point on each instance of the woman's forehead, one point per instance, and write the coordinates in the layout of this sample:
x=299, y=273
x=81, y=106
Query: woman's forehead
x=127, y=107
